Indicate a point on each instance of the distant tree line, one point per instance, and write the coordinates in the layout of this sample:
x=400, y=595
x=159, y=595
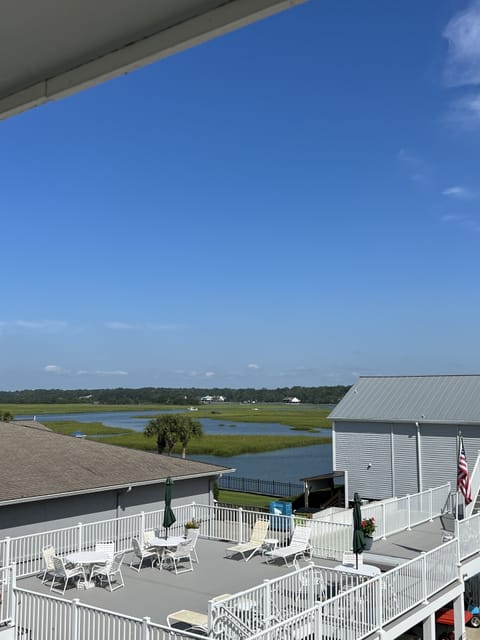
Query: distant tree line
x=164, y=395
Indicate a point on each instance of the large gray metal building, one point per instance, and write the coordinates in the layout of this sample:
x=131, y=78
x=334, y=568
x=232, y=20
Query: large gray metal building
x=399, y=435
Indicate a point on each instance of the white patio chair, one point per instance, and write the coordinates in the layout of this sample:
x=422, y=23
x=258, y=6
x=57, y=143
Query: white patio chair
x=299, y=546
x=49, y=567
x=61, y=573
x=106, y=547
x=142, y=554
x=184, y=551
x=148, y=536
x=193, y=535
x=257, y=538
x=110, y=571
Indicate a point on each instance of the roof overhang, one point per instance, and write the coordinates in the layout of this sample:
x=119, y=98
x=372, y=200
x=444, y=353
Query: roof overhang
x=53, y=48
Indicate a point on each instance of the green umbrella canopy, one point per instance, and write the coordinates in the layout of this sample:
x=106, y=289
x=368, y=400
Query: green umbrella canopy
x=168, y=515
x=358, y=545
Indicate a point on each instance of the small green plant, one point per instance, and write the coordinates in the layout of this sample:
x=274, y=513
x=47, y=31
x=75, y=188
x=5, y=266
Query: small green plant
x=193, y=524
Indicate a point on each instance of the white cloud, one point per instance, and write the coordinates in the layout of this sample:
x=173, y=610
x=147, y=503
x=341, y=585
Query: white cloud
x=54, y=368
x=467, y=222
x=209, y=374
x=42, y=325
x=116, y=372
x=466, y=111
x=463, y=59
x=417, y=169
x=253, y=366
x=119, y=325
x=457, y=192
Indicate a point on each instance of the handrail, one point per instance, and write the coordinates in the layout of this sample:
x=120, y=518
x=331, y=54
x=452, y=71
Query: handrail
x=475, y=485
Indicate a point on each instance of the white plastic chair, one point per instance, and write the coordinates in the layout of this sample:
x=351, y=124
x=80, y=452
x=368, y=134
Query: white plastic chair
x=110, y=571
x=60, y=572
x=106, y=547
x=193, y=535
x=148, y=536
x=141, y=553
x=257, y=538
x=48, y=553
x=184, y=551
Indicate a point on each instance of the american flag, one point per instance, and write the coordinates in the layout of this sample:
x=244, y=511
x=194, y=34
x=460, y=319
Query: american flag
x=463, y=477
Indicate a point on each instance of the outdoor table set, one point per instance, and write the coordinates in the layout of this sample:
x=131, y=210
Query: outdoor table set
x=87, y=560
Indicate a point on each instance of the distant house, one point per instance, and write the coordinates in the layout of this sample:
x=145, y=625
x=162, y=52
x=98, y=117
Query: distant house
x=292, y=400
x=49, y=480
x=395, y=436
x=209, y=399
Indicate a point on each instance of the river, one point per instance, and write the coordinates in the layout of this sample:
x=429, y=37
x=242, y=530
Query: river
x=286, y=465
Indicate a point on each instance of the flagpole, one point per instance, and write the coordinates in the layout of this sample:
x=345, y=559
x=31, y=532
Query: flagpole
x=459, y=435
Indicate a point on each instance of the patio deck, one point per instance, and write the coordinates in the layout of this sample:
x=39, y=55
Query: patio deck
x=156, y=593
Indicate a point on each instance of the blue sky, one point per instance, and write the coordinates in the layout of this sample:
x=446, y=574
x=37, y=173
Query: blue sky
x=297, y=202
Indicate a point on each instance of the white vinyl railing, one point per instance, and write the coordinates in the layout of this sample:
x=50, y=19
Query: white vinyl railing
x=46, y=617
x=6, y=599
x=399, y=514
x=368, y=606
x=469, y=535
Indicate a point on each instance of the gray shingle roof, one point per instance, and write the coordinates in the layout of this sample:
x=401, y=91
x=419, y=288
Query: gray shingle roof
x=36, y=462
x=439, y=399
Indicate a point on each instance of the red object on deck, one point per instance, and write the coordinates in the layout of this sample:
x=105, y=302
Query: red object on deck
x=446, y=616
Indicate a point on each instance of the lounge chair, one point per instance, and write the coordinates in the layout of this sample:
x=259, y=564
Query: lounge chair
x=257, y=539
x=110, y=571
x=299, y=546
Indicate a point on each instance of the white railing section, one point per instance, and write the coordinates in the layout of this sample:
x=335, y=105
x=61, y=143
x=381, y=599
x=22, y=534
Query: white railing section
x=469, y=535
x=46, y=617
x=475, y=486
x=6, y=595
x=368, y=606
x=398, y=514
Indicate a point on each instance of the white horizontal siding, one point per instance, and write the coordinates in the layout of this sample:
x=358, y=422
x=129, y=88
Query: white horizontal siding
x=358, y=445
x=405, y=478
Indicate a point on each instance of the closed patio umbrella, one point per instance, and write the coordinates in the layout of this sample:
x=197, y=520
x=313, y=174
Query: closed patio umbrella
x=168, y=515
x=358, y=545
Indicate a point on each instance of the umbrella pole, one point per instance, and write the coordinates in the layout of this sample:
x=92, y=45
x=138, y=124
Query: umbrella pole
x=356, y=561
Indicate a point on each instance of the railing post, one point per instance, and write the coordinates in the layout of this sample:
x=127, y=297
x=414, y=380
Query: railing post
x=74, y=619
x=409, y=527
x=79, y=536
x=318, y=620
x=424, y=577
x=267, y=611
x=384, y=521
x=142, y=526
x=6, y=560
x=430, y=492
x=240, y=525
x=379, y=599
x=146, y=628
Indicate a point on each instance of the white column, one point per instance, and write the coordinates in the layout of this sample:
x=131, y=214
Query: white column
x=459, y=618
x=428, y=626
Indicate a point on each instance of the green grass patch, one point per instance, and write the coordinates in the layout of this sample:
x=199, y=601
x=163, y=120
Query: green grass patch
x=224, y=446
x=238, y=499
x=41, y=409
x=68, y=427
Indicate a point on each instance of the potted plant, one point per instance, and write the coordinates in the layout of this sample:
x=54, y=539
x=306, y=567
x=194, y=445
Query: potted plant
x=368, y=528
x=192, y=524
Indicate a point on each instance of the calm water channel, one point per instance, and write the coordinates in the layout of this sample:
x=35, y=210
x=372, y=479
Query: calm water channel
x=286, y=465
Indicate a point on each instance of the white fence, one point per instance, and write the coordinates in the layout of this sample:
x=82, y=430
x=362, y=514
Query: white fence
x=6, y=599
x=399, y=514
x=365, y=608
x=45, y=617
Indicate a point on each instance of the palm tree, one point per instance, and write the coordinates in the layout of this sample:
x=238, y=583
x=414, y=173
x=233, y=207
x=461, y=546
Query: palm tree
x=188, y=429
x=172, y=428
x=165, y=430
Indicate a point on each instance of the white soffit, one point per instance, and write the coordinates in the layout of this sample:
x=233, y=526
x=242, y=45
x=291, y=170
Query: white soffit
x=53, y=48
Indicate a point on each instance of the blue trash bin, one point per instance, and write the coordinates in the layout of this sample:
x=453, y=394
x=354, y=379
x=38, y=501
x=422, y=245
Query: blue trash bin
x=278, y=509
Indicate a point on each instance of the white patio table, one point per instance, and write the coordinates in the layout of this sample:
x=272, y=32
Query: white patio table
x=170, y=541
x=87, y=559
x=363, y=570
